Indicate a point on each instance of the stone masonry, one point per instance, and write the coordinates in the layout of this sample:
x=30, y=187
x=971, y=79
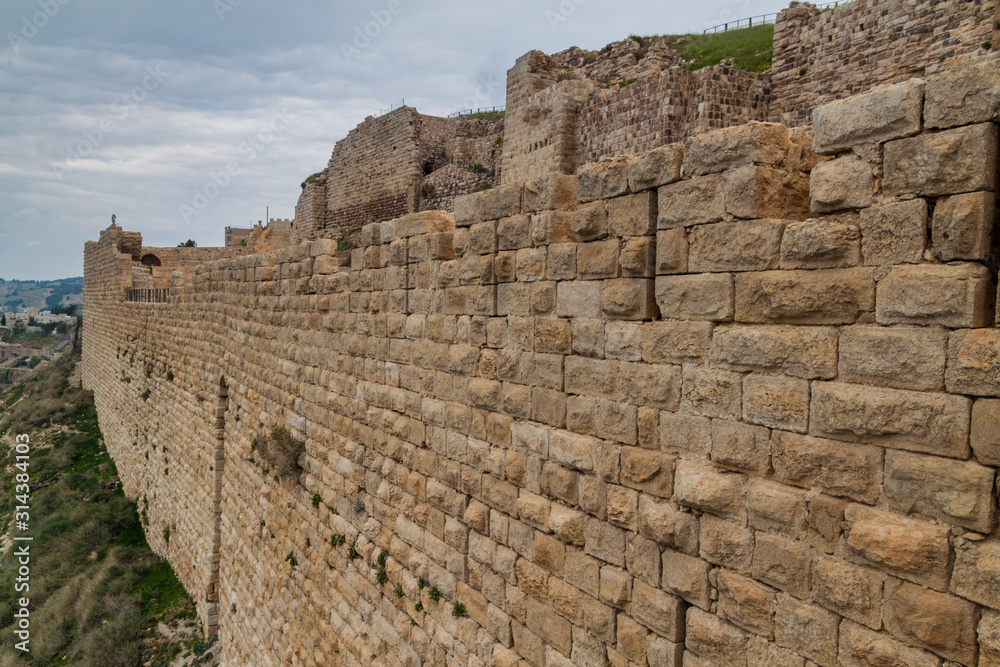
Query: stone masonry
x=733, y=401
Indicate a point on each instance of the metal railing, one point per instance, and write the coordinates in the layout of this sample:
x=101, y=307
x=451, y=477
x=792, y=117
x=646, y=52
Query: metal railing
x=147, y=295
x=467, y=112
x=751, y=21
x=392, y=107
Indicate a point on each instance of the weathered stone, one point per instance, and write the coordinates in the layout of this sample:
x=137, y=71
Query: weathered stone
x=894, y=233
x=550, y=192
x=598, y=259
x=712, y=393
x=962, y=227
x=714, y=639
x=959, y=492
x=806, y=352
x=581, y=298
x=662, y=652
x=658, y=611
x=844, y=183
x=912, y=420
x=849, y=590
x=750, y=245
x=900, y=357
x=732, y=147
x=806, y=629
x=689, y=436
x=691, y=202
x=726, y=543
x=746, y=603
x=985, y=434
x=604, y=179
x=741, y=447
x=974, y=362
x=965, y=94
x=687, y=577
x=637, y=258
x=944, y=163
x=914, y=550
x=590, y=221
x=977, y=572
x=860, y=647
x=773, y=506
x=705, y=488
x=706, y=296
x=824, y=243
x=831, y=296
x=884, y=113
x=632, y=215
x=776, y=401
x=988, y=634
x=763, y=192
x=675, y=342
x=648, y=471
x=840, y=469
x=671, y=251
x=514, y=232
x=665, y=524
x=602, y=418
x=765, y=653
x=782, y=563
x=952, y=295
x=934, y=621
x=826, y=522
x=659, y=166
x=550, y=227
x=628, y=299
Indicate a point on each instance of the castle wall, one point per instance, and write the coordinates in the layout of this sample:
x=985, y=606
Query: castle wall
x=725, y=401
x=824, y=56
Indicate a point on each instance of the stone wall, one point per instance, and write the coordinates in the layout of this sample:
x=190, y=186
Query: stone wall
x=726, y=402
x=823, y=56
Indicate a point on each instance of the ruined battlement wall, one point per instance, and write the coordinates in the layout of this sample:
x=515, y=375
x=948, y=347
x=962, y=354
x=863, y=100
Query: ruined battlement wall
x=734, y=399
x=823, y=56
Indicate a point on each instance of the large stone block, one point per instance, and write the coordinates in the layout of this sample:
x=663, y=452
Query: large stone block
x=959, y=492
x=900, y=357
x=911, y=420
x=726, y=543
x=659, y=166
x=907, y=548
x=687, y=577
x=493, y=204
x=965, y=94
x=746, y=603
x=764, y=192
x=664, y=523
x=806, y=629
x=712, y=393
x=578, y=298
x=825, y=243
x=704, y=296
x=844, y=183
x=738, y=146
x=691, y=202
x=852, y=471
x=550, y=192
x=977, y=572
x=952, y=295
x=704, y=487
x=776, y=507
x=988, y=633
x=671, y=251
x=751, y=245
x=782, y=563
x=713, y=639
x=937, y=622
x=849, y=590
x=830, y=296
x=632, y=215
x=894, y=233
x=739, y=446
x=628, y=299
x=590, y=221
x=974, y=362
x=985, y=434
x=776, y=401
x=805, y=352
x=962, y=227
x=861, y=647
x=675, y=341
x=604, y=179
x=658, y=611
x=945, y=163
x=598, y=259
x=884, y=113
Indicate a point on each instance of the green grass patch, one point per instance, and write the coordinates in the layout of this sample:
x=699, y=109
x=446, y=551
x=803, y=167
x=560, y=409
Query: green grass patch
x=488, y=115
x=750, y=49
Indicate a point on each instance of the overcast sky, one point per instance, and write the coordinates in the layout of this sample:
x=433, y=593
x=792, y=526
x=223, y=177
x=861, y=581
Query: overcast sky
x=184, y=116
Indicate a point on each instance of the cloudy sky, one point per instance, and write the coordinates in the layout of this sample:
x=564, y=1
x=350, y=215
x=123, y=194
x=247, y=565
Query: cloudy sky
x=184, y=116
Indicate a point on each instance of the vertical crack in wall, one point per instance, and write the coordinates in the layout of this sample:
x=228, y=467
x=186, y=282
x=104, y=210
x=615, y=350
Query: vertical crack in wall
x=218, y=464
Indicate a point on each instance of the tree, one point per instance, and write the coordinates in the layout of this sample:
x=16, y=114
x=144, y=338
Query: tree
x=3, y=319
x=187, y=244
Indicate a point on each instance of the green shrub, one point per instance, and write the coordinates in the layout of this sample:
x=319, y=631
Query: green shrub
x=459, y=610
x=282, y=451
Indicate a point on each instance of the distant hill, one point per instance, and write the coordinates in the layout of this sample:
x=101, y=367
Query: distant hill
x=40, y=294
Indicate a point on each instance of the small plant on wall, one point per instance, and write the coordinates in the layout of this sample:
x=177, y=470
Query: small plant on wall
x=281, y=450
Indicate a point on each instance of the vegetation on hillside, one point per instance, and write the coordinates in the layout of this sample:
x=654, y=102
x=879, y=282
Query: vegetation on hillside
x=98, y=593
x=748, y=49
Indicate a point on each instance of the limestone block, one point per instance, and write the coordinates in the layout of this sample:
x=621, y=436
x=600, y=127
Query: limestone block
x=661, y=652
x=632, y=215
x=659, y=166
x=805, y=352
x=765, y=653
x=777, y=507
x=713, y=639
x=704, y=296
x=578, y=298
x=426, y=222
x=628, y=299
x=665, y=524
x=638, y=257
x=550, y=192
x=938, y=622
x=844, y=183
x=949, y=162
x=763, y=192
x=712, y=393
x=884, y=113
x=959, y=492
x=741, y=447
x=952, y=295
x=985, y=435
x=687, y=435
x=642, y=555
x=988, y=633
x=782, y=563
x=962, y=227
x=907, y=548
x=598, y=259
x=976, y=576
x=657, y=610
x=776, y=401
x=530, y=264
x=656, y=385
x=647, y=471
x=726, y=543
x=733, y=147
x=910, y=420
x=974, y=362
x=675, y=341
x=604, y=179
x=687, y=577
x=602, y=418
x=704, y=487
x=840, y=469
x=671, y=251
x=860, y=647
x=806, y=629
x=691, y=202
x=965, y=94
x=590, y=221
x=829, y=296
x=826, y=522
x=902, y=357
x=553, y=335
x=561, y=262
x=751, y=245
x=894, y=233
x=824, y=243
x=746, y=603
x=513, y=232
x=551, y=227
